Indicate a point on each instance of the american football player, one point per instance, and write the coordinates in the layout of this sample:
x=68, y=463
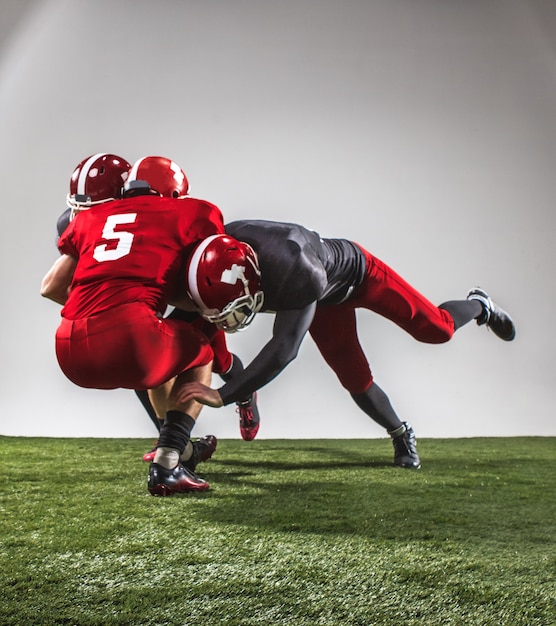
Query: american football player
x=316, y=285
x=116, y=275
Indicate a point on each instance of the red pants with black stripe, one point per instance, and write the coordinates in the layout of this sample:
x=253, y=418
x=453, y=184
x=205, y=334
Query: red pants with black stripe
x=388, y=294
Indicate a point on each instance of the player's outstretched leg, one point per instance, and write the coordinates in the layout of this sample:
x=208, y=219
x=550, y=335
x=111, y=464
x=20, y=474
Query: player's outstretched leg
x=493, y=316
x=405, y=447
x=166, y=482
x=249, y=419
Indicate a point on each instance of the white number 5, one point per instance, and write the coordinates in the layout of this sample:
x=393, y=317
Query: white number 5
x=125, y=239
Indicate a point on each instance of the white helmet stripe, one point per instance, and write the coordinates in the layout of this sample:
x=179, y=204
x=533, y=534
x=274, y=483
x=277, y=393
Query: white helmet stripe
x=85, y=172
x=134, y=168
x=192, y=273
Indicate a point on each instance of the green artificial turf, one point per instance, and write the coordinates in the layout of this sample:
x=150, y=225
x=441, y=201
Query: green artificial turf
x=302, y=532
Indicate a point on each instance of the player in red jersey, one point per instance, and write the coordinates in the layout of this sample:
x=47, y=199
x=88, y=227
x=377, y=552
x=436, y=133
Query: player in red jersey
x=103, y=175
x=315, y=285
x=118, y=271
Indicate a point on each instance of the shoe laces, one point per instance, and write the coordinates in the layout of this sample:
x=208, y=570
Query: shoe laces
x=485, y=300
x=245, y=411
x=405, y=443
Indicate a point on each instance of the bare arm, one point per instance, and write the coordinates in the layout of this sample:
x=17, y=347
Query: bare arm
x=55, y=285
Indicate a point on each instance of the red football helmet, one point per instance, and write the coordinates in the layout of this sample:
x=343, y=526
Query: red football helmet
x=163, y=176
x=223, y=279
x=98, y=178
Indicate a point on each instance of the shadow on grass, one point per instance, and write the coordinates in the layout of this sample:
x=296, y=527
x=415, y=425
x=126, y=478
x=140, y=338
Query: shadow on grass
x=308, y=457
x=467, y=490
x=306, y=465
x=468, y=495
x=376, y=510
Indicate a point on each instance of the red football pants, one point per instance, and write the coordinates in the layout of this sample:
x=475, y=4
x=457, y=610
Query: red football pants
x=385, y=292
x=223, y=358
x=128, y=347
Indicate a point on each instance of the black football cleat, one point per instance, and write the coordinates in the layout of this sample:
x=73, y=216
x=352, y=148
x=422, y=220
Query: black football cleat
x=165, y=482
x=405, y=449
x=493, y=316
x=203, y=449
x=249, y=419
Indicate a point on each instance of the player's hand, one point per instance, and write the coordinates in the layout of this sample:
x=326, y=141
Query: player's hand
x=201, y=393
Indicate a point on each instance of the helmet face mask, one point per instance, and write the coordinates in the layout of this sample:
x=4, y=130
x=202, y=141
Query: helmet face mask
x=81, y=202
x=97, y=179
x=223, y=280
x=236, y=315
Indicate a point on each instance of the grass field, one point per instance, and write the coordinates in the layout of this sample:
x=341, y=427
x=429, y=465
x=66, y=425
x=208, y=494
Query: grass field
x=305, y=532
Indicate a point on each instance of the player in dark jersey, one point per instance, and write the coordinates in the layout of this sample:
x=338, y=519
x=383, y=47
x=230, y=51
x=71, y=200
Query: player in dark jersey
x=118, y=271
x=315, y=285
x=169, y=180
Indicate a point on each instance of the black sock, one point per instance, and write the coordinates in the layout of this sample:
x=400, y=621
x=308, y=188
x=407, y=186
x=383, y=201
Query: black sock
x=376, y=404
x=176, y=431
x=462, y=311
x=143, y=396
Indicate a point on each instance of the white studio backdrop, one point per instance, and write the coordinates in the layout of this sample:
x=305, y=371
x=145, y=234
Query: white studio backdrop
x=422, y=129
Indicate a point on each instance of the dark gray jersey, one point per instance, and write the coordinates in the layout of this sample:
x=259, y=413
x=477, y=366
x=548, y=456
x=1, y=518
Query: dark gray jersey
x=63, y=222
x=297, y=266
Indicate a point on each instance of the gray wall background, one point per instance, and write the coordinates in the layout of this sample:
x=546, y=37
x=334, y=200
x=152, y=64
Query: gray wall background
x=424, y=129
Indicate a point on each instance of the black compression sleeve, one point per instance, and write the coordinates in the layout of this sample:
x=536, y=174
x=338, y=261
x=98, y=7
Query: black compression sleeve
x=287, y=334
x=462, y=311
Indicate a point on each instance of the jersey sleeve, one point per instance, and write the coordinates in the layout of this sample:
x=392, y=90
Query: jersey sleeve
x=306, y=280
x=201, y=219
x=66, y=242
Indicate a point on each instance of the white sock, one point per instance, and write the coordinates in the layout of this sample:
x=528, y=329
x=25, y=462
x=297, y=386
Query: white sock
x=167, y=457
x=188, y=452
x=397, y=431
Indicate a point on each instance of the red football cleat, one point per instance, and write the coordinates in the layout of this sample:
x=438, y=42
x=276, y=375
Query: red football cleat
x=249, y=419
x=148, y=457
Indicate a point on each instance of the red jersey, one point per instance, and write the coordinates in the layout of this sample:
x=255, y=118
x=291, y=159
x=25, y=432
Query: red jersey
x=133, y=250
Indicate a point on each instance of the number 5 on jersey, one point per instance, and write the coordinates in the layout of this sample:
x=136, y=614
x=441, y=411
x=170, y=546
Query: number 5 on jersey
x=123, y=237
